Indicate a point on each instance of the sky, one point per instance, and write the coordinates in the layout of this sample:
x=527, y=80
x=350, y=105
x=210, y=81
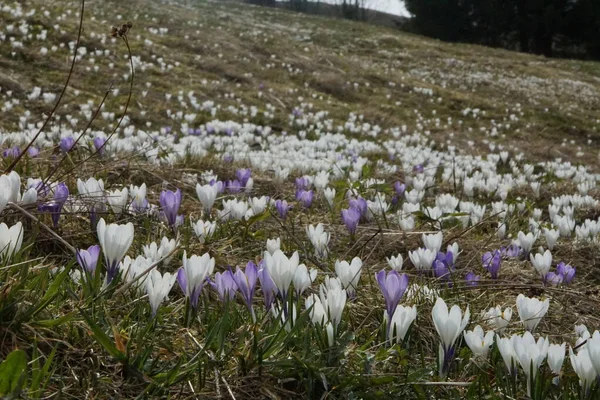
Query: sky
x=395, y=7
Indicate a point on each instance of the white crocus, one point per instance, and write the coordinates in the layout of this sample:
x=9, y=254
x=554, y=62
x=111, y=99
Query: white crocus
x=93, y=190
x=401, y=321
x=449, y=325
x=422, y=259
x=329, y=194
x=207, y=195
x=333, y=297
x=395, y=262
x=158, y=251
x=117, y=199
x=11, y=240
x=507, y=351
x=303, y=278
x=551, y=236
x=193, y=273
x=29, y=197
x=318, y=314
x=531, y=355
x=115, y=240
x=433, y=242
x=479, y=342
x=556, y=357
x=319, y=239
x=407, y=224
x=584, y=368
x=282, y=269
x=498, y=319
x=158, y=287
x=593, y=349
x=273, y=245
x=542, y=263
x=204, y=229
x=349, y=274
x=531, y=310
x=526, y=241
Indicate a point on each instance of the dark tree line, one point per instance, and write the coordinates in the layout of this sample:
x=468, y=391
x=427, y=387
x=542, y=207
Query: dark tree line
x=350, y=9
x=548, y=27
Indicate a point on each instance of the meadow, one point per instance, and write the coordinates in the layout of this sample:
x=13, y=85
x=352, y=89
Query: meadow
x=206, y=199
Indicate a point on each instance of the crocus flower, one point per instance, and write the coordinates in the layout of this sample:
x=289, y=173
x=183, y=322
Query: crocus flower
x=282, y=270
x=584, y=368
x=282, y=208
x=556, y=357
x=67, y=143
x=117, y=199
x=498, y=319
x=531, y=310
x=553, y=279
x=401, y=321
x=471, y=279
x=303, y=278
x=243, y=175
x=449, y=325
x=61, y=194
x=207, y=195
x=88, y=259
x=193, y=273
x=566, y=271
x=302, y=184
x=351, y=216
x=507, y=351
x=273, y=245
x=204, y=229
x=392, y=285
x=422, y=259
x=11, y=240
x=433, y=242
x=158, y=287
x=531, y=355
x=399, y=188
x=479, y=342
x=234, y=186
x=492, y=262
x=526, y=241
x=115, y=240
x=542, y=263
x=99, y=145
x=33, y=152
x=267, y=285
x=395, y=262
x=305, y=197
x=170, y=202
x=359, y=204
x=349, y=274
x=225, y=285
x=246, y=283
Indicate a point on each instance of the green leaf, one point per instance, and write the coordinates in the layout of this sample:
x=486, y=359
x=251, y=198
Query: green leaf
x=104, y=339
x=12, y=372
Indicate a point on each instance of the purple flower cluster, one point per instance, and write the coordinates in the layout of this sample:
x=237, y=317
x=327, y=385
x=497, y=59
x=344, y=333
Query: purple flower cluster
x=492, y=262
x=563, y=274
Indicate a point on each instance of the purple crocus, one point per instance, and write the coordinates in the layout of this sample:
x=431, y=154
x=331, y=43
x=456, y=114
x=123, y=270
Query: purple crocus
x=234, y=186
x=99, y=145
x=67, y=143
x=441, y=270
x=305, y=197
x=399, y=188
x=553, y=278
x=471, y=279
x=302, y=184
x=512, y=251
x=492, y=262
x=246, y=283
x=61, y=194
x=33, y=152
x=267, y=285
x=566, y=271
x=359, y=204
x=13, y=152
x=220, y=185
x=170, y=203
x=282, y=208
x=418, y=168
x=242, y=175
x=393, y=285
x=351, y=216
x=88, y=259
x=225, y=285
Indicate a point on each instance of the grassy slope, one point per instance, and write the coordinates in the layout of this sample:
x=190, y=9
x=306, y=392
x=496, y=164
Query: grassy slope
x=236, y=47
x=229, y=45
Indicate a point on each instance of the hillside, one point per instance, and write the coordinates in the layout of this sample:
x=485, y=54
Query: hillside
x=277, y=205
x=215, y=49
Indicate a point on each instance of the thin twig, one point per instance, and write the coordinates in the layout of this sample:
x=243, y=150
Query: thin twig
x=33, y=218
x=64, y=89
